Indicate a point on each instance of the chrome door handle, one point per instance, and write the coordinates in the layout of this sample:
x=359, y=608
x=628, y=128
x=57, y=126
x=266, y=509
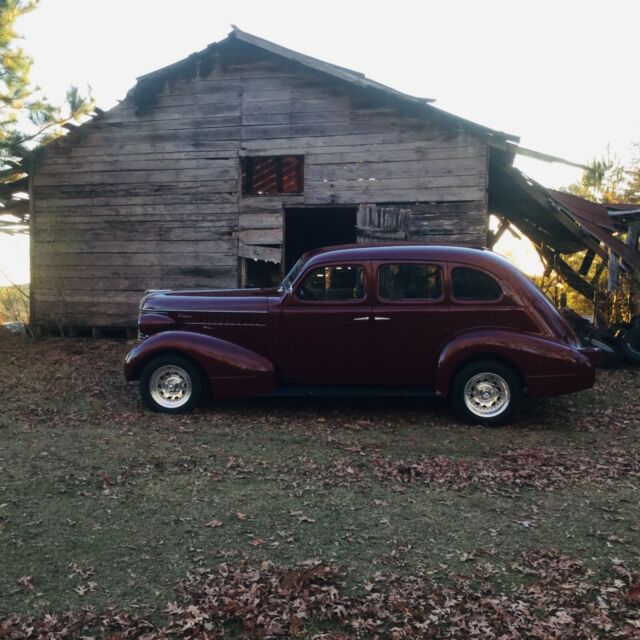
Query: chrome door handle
x=361, y=318
x=381, y=318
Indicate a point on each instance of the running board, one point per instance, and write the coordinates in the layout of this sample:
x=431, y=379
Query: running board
x=387, y=392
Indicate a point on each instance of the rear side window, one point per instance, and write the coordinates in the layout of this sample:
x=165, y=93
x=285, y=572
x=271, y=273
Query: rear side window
x=333, y=283
x=470, y=284
x=409, y=282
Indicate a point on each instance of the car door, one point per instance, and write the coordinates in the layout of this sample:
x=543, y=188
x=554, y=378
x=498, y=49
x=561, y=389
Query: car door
x=325, y=333
x=410, y=321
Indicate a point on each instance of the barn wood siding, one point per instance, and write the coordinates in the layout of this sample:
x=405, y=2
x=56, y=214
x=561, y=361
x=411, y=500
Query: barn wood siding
x=133, y=202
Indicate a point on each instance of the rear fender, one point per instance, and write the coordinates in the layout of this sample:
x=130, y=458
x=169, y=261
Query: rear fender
x=547, y=367
x=231, y=370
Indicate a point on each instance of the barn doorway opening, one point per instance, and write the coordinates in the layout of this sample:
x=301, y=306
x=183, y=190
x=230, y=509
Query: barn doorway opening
x=310, y=228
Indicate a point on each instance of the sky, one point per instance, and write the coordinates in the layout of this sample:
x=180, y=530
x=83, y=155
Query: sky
x=563, y=75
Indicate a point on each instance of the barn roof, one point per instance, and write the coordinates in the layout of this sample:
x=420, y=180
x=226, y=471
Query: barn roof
x=355, y=78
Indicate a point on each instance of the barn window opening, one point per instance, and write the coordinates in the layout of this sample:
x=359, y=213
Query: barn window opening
x=272, y=175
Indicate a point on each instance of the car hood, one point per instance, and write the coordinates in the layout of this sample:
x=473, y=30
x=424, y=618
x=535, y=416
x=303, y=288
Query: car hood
x=246, y=300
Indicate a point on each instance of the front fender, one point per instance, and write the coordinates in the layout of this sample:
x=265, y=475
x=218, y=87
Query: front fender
x=548, y=367
x=231, y=370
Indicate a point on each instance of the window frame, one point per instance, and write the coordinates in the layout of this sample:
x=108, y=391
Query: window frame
x=246, y=167
x=474, y=267
x=303, y=277
x=410, y=301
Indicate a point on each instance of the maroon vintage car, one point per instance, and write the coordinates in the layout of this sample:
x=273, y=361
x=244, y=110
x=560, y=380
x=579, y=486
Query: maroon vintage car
x=378, y=319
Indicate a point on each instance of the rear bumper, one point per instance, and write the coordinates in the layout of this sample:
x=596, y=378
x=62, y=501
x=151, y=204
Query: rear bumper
x=577, y=374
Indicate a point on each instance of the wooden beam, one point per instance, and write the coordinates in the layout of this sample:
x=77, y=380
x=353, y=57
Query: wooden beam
x=256, y=252
x=587, y=261
x=493, y=240
x=573, y=280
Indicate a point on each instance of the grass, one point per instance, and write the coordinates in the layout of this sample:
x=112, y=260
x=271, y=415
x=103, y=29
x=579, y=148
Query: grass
x=105, y=504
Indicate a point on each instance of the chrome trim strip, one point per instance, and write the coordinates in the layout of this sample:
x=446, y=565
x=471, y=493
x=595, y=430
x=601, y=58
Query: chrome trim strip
x=211, y=325
x=152, y=310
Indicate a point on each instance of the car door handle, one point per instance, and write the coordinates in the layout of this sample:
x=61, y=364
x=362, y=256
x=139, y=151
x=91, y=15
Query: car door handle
x=361, y=319
x=381, y=318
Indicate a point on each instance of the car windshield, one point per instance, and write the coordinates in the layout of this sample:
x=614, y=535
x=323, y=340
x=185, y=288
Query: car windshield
x=292, y=275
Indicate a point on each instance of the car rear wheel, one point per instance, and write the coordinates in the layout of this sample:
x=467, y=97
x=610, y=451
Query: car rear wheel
x=486, y=392
x=171, y=384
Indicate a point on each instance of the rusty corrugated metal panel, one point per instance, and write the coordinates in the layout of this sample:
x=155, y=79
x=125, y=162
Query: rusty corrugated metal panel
x=584, y=210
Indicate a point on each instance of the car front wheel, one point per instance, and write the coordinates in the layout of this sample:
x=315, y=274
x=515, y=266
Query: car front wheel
x=171, y=384
x=486, y=392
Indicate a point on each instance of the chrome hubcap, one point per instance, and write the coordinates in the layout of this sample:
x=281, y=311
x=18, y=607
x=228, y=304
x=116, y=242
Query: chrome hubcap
x=486, y=395
x=170, y=386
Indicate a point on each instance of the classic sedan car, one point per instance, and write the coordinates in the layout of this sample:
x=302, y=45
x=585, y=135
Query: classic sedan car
x=394, y=319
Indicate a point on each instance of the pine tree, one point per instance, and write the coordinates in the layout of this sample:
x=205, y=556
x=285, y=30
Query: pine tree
x=608, y=181
x=27, y=119
x=632, y=190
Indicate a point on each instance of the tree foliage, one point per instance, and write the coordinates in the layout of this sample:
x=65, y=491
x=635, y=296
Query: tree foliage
x=608, y=181
x=27, y=118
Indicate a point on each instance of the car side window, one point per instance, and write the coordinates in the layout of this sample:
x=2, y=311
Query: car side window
x=471, y=284
x=409, y=281
x=341, y=282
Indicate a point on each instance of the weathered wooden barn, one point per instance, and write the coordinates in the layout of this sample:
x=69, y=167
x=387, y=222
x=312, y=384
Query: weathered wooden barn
x=222, y=169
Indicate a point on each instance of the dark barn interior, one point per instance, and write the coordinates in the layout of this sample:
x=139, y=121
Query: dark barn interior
x=310, y=228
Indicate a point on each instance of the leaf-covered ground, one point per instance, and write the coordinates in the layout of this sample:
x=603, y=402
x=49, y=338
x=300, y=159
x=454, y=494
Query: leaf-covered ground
x=310, y=519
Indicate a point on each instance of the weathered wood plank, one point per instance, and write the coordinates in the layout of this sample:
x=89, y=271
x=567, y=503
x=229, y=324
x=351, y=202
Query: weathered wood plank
x=267, y=204
x=266, y=220
x=261, y=236
x=132, y=136
x=331, y=143
x=393, y=183
x=136, y=163
x=132, y=190
x=124, y=200
x=86, y=318
x=224, y=176
x=145, y=228
x=213, y=121
x=350, y=197
x=136, y=284
x=255, y=252
x=416, y=170
x=103, y=217
x=92, y=236
x=407, y=152
x=185, y=144
x=153, y=246
x=48, y=259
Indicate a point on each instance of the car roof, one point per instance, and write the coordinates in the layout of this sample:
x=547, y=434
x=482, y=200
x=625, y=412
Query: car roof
x=406, y=251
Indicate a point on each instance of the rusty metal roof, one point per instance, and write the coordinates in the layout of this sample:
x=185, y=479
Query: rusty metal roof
x=583, y=210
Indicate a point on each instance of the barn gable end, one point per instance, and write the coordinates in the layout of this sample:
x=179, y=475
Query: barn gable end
x=149, y=194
